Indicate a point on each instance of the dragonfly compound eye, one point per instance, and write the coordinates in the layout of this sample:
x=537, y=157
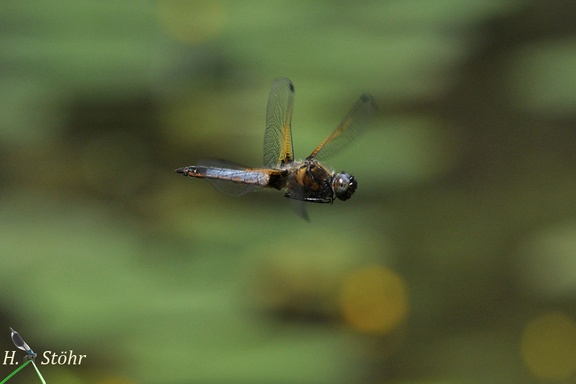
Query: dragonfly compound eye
x=344, y=185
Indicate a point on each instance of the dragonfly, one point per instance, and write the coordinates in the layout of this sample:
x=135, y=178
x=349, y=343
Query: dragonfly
x=21, y=344
x=28, y=358
x=305, y=180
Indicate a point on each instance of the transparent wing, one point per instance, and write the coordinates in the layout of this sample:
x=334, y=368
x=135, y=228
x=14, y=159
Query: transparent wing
x=19, y=341
x=278, y=135
x=299, y=206
x=349, y=128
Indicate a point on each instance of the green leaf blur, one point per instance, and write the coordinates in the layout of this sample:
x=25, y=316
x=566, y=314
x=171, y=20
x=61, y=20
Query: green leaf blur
x=453, y=262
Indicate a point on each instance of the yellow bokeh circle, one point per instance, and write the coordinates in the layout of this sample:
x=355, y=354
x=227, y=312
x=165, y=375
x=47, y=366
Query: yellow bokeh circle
x=374, y=299
x=548, y=346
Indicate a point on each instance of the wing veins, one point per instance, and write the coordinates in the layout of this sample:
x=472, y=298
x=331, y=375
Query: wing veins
x=278, y=135
x=349, y=128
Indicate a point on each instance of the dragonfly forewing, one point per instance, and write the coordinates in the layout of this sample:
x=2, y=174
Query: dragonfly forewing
x=348, y=129
x=278, y=135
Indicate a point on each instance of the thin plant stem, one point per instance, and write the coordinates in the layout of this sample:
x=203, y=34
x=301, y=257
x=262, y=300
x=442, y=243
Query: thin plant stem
x=38, y=372
x=15, y=372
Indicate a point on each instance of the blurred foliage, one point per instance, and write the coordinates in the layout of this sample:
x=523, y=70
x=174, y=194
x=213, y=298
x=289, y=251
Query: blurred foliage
x=454, y=261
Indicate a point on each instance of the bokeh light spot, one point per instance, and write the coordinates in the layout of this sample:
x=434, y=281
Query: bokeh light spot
x=374, y=300
x=191, y=21
x=548, y=346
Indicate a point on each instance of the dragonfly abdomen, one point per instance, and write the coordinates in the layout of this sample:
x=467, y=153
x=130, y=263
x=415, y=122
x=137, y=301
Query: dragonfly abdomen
x=250, y=177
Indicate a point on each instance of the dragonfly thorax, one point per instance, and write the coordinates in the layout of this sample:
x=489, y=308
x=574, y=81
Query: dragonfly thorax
x=309, y=180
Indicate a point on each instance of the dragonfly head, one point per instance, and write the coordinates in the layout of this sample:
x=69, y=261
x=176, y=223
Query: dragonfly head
x=344, y=185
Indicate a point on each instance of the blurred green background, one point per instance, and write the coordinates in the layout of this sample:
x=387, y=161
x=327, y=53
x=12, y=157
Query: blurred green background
x=454, y=262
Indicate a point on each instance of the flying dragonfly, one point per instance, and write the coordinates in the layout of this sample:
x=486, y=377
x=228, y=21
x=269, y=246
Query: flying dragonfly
x=306, y=180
